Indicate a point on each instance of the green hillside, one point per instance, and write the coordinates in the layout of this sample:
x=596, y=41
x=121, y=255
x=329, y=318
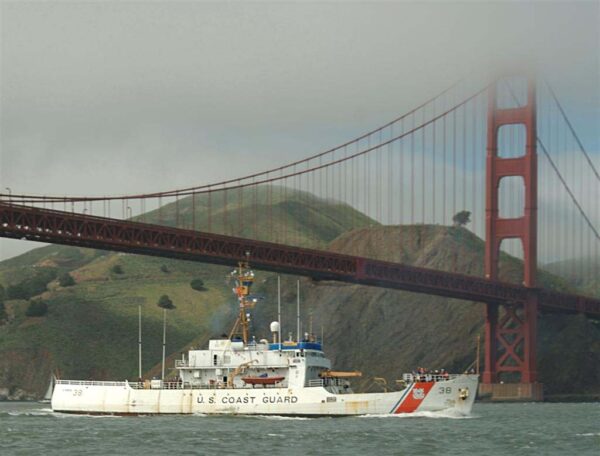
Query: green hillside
x=90, y=330
x=271, y=213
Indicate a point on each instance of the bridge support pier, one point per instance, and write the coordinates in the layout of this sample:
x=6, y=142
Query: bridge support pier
x=510, y=330
x=511, y=392
x=510, y=356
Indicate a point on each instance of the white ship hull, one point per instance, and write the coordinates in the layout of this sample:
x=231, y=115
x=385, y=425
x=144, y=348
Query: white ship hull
x=120, y=398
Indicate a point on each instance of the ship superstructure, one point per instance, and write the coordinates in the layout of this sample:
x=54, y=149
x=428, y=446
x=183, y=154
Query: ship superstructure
x=233, y=364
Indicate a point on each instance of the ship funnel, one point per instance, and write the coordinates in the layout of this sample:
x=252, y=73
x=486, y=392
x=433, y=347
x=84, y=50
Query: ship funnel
x=275, y=330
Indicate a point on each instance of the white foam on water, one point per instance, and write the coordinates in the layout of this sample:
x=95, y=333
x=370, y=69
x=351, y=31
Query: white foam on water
x=444, y=414
x=252, y=416
x=283, y=418
x=50, y=412
x=30, y=412
x=82, y=415
x=588, y=434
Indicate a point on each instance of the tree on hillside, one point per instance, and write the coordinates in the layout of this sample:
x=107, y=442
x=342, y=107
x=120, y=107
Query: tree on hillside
x=117, y=269
x=66, y=280
x=164, y=268
x=461, y=218
x=2, y=293
x=36, y=308
x=165, y=304
x=198, y=285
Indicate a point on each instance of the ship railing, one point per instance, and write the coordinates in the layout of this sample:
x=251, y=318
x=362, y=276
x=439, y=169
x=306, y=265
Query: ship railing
x=187, y=385
x=158, y=384
x=89, y=383
x=410, y=378
x=222, y=365
x=316, y=382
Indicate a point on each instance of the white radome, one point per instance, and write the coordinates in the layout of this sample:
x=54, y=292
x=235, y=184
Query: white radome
x=275, y=327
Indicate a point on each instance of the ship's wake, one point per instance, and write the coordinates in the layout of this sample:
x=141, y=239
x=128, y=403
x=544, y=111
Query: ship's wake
x=28, y=412
x=442, y=414
x=284, y=417
x=43, y=412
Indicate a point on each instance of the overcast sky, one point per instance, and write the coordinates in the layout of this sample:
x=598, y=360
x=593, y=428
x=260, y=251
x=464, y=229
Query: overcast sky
x=115, y=97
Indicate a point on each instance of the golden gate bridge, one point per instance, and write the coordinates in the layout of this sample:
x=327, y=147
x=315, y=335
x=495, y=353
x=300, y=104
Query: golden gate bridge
x=504, y=153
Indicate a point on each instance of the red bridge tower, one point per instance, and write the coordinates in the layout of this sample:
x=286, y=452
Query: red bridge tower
x=510, y=330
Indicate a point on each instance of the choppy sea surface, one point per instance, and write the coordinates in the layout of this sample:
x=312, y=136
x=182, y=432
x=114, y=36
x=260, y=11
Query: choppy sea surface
x=492, y=429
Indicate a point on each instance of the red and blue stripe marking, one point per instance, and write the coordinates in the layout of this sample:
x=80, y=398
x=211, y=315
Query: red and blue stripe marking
x=412, y=397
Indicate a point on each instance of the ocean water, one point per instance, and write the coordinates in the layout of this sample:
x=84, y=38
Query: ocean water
x=492, y=429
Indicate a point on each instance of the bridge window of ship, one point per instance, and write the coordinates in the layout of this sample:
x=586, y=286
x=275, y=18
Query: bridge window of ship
x=215, y=360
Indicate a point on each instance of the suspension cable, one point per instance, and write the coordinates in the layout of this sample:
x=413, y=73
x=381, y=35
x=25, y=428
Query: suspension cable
x=579, y=143
x=190, y=190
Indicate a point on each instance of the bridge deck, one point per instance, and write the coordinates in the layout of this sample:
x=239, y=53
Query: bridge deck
x=59, y=227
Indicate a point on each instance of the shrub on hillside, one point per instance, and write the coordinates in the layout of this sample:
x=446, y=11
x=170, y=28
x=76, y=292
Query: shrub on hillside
x=66, y=280
x=164, y=269
x=165, y=303
x=17, y=291
x=117, y=269
x=31, y=286
x=2, y=293
x=198, y=285
x=36, y=308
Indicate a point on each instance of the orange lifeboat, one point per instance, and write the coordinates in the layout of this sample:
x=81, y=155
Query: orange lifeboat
x=262, y=380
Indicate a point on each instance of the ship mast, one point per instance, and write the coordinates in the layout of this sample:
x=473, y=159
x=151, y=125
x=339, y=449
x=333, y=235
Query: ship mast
x=243, y=279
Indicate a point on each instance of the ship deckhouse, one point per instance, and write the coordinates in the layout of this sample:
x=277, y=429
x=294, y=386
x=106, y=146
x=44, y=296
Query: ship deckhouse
x=234, y=364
